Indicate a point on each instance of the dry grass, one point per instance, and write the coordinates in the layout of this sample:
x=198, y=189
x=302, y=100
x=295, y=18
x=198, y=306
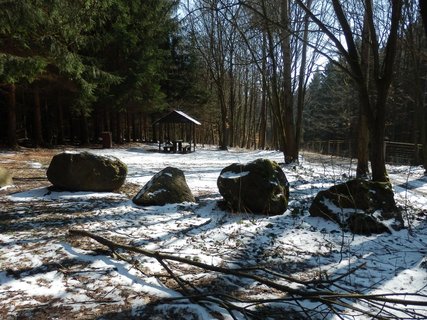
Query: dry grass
x=28, y=168
x=27, y=175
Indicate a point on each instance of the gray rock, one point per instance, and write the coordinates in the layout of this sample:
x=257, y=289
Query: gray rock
x=167, y=186
x=362, y=206
x=5, y=177
x=259, y=187
x=86, y=172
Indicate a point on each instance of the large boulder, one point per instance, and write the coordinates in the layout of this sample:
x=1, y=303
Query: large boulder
x=259, y=186
x=86, y=172
x=5, y=177
x=166, y=186
x=364, y=207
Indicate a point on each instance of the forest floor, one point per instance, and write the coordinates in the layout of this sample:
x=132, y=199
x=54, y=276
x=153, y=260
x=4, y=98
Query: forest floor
x=45, y=273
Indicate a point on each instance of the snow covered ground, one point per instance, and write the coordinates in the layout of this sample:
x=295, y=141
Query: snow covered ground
x=47, y=274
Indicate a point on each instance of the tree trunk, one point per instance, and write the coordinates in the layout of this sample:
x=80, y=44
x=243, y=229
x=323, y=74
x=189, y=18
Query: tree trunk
x=107, y=119
x=84, y=130
x=423, y=126
x=253, y=101
x=99, y=124
x=290, y=150
x=263, y=112
x=423, y=11
x=225, y=123
x=49, y=124
x=135, y=133
x=362, y=170
x=128, y=126
x=60, y=121
x=379, y=171
x=119, y=134
x=232, y=98
x=11, y=117
x=274, y=97
x=245, y=123
x=302, y=80
x=113, y=126
x=38, y=135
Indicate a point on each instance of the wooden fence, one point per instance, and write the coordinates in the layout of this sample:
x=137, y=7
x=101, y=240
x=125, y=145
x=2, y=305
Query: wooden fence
x=395, y=152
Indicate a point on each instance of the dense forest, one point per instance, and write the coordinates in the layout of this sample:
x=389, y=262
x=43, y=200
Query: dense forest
x=257, y=73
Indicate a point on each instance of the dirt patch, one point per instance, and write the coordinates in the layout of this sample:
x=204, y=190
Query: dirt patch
x=28, y=167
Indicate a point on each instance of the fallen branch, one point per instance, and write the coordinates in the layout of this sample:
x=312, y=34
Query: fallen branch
x=164, y=256
x=329, y=298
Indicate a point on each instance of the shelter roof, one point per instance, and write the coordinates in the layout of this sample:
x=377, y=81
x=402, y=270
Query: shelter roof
x=176, y=116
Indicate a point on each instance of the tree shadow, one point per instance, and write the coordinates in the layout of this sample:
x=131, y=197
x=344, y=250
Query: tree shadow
x=266, y=244
x=413, y=184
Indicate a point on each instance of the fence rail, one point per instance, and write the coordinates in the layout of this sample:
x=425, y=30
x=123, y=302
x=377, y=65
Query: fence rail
x=395, y=152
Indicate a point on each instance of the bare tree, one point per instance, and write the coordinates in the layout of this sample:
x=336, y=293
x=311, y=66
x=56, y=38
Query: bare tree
x=423, y=113
x=373, y=92
x=302, y=78
x=213, y=37
x=362, y=170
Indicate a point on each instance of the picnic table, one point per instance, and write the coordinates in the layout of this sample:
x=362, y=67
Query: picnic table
x=176, y=146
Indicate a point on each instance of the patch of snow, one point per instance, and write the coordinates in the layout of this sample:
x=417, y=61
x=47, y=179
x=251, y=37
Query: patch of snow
x=38, y=258
x=35, y=165
x=234, y=175
x=153, y=194
x=6, y=187
x=343, y=213
x=49, y=195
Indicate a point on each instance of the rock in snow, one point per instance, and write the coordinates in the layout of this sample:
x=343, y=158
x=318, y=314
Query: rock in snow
x=86, y=172
x=167, y=186
x=259, y=186
x=360, y=205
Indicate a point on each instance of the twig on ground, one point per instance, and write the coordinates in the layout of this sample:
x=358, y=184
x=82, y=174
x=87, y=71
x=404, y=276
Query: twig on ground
x=335, y=301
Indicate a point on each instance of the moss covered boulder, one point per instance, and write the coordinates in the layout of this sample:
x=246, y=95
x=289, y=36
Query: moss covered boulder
x=364, y=207
x=259, y=186
x=5, y=177
x=86, y=172
x=166, y=186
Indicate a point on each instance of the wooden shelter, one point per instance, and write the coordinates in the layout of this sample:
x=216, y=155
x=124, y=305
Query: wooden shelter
x=176, y=132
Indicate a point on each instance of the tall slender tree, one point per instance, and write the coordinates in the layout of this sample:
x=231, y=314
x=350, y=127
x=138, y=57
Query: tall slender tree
x=373, y=101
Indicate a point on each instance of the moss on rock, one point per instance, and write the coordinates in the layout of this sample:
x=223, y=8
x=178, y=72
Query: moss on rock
x=259, y=186
x=352, y=205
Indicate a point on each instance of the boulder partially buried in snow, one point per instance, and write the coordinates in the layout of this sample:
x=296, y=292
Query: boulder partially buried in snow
x=364, y=207
x=167, y=186
x=86, y=172
x=5, y=177
x=259, y=186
